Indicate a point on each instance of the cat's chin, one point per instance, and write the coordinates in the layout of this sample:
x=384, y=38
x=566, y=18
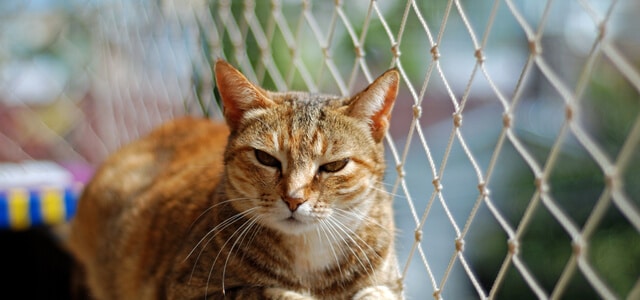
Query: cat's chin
x=293, y=226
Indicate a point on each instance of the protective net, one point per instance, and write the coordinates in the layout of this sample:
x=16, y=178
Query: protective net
x=513, y=150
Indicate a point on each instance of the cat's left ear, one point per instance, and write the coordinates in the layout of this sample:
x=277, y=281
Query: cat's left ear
x=375, y=102
x=238, y=94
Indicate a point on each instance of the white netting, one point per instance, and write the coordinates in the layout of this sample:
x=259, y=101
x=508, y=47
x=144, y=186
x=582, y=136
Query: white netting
x=513, y=151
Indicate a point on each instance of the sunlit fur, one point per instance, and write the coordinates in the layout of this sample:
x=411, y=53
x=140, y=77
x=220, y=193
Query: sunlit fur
x=189, y=212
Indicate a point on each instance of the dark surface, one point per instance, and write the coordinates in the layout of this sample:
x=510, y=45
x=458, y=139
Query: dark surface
x=33, y=266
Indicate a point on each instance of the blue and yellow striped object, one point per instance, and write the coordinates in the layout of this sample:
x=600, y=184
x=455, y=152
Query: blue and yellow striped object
x=21, y=208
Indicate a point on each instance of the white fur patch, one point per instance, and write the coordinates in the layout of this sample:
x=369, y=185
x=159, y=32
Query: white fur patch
x=320, y=251
x=378, y=292
x=317, y=146
x=274, y=140
x=278, y=293
x=372, y=100
x=254, y=113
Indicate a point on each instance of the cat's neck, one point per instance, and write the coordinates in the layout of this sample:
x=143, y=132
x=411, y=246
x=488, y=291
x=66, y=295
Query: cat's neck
x=317, y=250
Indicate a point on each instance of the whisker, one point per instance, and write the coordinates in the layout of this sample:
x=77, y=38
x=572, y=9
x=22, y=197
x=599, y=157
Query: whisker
x=224, y=245
x=352, y=233
x=339, y=225
x=222, y=226
x=254, y=234
x=386, y=183
x=252, y=222
x=389, y=193
x=333, y=228
x=215, y=205
x=324, y=230
x=361, y=217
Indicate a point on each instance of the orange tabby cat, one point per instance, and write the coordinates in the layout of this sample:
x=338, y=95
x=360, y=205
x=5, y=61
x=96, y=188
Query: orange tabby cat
x=284, y=202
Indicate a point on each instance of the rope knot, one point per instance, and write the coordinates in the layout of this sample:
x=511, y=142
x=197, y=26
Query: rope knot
x=325, y=52
x=611, y=178
x=568, y=112
x=395, y=50
x=459, y=245
x=417, y=235
x=437, y=185
x=484, y=191
x=577, y=247
x=417, y=111
x=457, y=120
x=602, y=30
x=506, y=120
x=513, y=246
x=541, y=185
x=400, y=170
x=535, y=47
x=275, y=6
x=435, y=53
x=479, y=54
x=359, y=52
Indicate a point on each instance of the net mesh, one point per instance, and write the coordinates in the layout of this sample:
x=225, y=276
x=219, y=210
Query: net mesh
x=513, y=150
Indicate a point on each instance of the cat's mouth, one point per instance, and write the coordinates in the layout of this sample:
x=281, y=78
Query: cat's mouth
x=294, y=225
x=292, y=220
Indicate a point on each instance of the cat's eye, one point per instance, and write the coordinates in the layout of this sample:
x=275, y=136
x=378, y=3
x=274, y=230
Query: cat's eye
x=334, y=166
x=266, y=159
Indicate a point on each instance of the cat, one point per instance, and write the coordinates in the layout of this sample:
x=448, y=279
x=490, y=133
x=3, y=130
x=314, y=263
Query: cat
x=284, y=201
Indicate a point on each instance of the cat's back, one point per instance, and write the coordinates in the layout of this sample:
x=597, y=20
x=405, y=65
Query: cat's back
x=157, y=183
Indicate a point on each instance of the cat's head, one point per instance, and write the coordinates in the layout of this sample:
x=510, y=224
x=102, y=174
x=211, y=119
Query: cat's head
x=295, y=160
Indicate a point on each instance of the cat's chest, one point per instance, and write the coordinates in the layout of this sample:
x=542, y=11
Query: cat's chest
x=316, y=253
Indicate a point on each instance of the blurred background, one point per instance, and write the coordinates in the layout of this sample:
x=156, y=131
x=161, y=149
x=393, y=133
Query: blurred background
x=513, y=152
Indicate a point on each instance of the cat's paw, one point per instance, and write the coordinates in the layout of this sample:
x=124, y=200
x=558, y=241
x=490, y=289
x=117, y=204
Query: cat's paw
x=378, y=292
x=282, y=294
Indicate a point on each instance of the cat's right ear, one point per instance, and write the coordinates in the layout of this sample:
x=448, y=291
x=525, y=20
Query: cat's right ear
x=238, y=94
x=373, y=105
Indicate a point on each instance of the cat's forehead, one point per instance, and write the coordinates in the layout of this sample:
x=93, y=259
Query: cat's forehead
x=303, y=125
x=304, y=113
x=303, y=100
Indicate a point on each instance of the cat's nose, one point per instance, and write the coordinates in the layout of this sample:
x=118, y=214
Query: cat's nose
x=293, y=203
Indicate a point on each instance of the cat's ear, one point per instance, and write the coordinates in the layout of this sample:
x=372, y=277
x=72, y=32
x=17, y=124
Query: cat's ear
x=238, y=94
x=374, y=103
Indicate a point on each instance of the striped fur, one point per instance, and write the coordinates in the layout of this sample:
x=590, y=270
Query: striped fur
x=192, y=211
